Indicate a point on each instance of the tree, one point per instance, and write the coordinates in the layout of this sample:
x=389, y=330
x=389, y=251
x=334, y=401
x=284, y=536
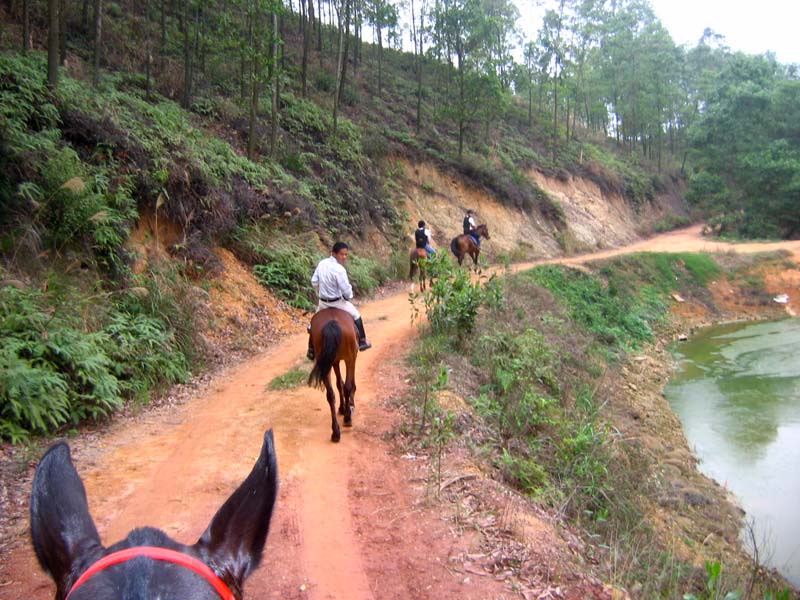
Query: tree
x=418, y=37
x=97, y=40
x=746, y=150
x=459, y=26
x=52, y=44
x=381, y=15
x=308, y=30
x=26, y=25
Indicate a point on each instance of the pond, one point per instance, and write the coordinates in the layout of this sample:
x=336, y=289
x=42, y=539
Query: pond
x=737, y=393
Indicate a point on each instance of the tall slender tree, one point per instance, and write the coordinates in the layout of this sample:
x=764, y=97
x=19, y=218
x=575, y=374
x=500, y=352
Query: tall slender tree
x=52, y=44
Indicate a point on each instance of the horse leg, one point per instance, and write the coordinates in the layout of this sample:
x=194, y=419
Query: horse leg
x=350, y=393
x=329, y=394
x=475, y=259
x=338, y=372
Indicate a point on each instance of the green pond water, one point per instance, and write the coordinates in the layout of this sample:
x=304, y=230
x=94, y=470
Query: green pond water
x=737, y=393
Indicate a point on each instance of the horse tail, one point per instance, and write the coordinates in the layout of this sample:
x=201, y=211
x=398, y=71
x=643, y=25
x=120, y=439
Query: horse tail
x=412, y=266
x=454, y=247
x=331, y=338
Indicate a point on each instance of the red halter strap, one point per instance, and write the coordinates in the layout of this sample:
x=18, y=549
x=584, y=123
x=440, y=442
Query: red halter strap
x=178, y=558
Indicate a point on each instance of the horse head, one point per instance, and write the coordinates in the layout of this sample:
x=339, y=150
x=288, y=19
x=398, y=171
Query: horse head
x=483, y=230
x=147, y=563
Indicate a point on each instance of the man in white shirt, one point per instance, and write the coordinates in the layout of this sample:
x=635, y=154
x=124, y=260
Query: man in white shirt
x=334, y=290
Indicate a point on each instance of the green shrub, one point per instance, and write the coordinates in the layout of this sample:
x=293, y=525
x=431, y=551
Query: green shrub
x=670, y=222
x=324, y=81
x=142, y=350
x=452, y=299
x=366, y=274
x=51, y=371
x=283, y=263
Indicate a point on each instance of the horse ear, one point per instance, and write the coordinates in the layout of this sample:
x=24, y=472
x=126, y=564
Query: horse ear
x=62, y=529
x=234, y=541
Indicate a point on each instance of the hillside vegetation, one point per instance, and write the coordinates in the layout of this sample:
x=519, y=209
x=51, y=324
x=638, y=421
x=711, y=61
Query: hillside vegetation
x=272, y=130
x=106, y=152
x=558, y=372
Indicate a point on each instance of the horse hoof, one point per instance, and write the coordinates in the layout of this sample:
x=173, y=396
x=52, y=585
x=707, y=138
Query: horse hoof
x=335, y=438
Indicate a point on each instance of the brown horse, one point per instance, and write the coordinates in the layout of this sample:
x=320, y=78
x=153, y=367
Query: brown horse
x=416, y=263
x=148, y=563
x=462, y=245
x=334, y=336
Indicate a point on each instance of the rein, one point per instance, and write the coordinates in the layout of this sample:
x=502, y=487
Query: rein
x=155, y=553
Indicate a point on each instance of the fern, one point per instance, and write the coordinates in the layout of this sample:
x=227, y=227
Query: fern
x=33, y=397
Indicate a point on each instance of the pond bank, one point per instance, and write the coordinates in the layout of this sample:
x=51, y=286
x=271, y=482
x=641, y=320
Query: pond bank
x=701, y=519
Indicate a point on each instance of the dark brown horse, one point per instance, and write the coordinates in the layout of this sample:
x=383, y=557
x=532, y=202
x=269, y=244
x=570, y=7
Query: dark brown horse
x=335, y=339
x=416, y=262
x=148, y=563
x=462, y=245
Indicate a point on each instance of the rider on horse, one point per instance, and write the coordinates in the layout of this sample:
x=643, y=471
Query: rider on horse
x=470, y=226
x=422, y=238
x=334, y=289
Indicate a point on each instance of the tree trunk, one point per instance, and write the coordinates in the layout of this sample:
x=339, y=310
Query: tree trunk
x=340, y=55
x=52, y=44
x=147, y=51
x=319, y=30
x=26, y=25
x=348, y=5
x=461, y=104
x=308, y=31
x=530, y=100
x=195, y=51
x=416, y=35
x=273, y=134
x=98, y=40
x=243, y=91
x=555, y=114
x=186, y=96
x=163, y=50
x=254, y=82
x=62, y=33
x=380, y=61
x=84, y=16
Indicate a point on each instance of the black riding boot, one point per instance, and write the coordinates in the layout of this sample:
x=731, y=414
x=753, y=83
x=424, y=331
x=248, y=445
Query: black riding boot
x=363, y=344
x=310, y=353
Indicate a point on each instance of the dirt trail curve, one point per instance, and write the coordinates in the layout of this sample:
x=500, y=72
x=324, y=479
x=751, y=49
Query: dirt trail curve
x=348, y=522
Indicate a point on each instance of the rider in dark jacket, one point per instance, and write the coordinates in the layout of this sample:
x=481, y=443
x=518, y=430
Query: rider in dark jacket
x=422, y=238
x=470, y=226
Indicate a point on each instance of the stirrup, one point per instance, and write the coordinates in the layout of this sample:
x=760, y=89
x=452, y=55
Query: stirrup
x=365, y=345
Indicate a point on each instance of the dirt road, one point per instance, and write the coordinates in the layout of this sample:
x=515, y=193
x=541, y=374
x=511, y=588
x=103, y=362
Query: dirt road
x=351, y=520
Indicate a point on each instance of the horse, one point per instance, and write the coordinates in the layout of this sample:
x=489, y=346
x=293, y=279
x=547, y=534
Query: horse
x=148, y=563
x=461, y=245
x=416, y=263
x=334, y=336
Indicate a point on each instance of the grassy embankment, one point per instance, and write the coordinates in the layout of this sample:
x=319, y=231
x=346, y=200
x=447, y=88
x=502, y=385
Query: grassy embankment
x=538, y=357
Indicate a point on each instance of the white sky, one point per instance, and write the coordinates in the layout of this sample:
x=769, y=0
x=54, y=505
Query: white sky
x=752, y=26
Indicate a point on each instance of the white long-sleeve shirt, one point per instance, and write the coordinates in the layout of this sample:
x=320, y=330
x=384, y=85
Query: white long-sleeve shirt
x=330, y=280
